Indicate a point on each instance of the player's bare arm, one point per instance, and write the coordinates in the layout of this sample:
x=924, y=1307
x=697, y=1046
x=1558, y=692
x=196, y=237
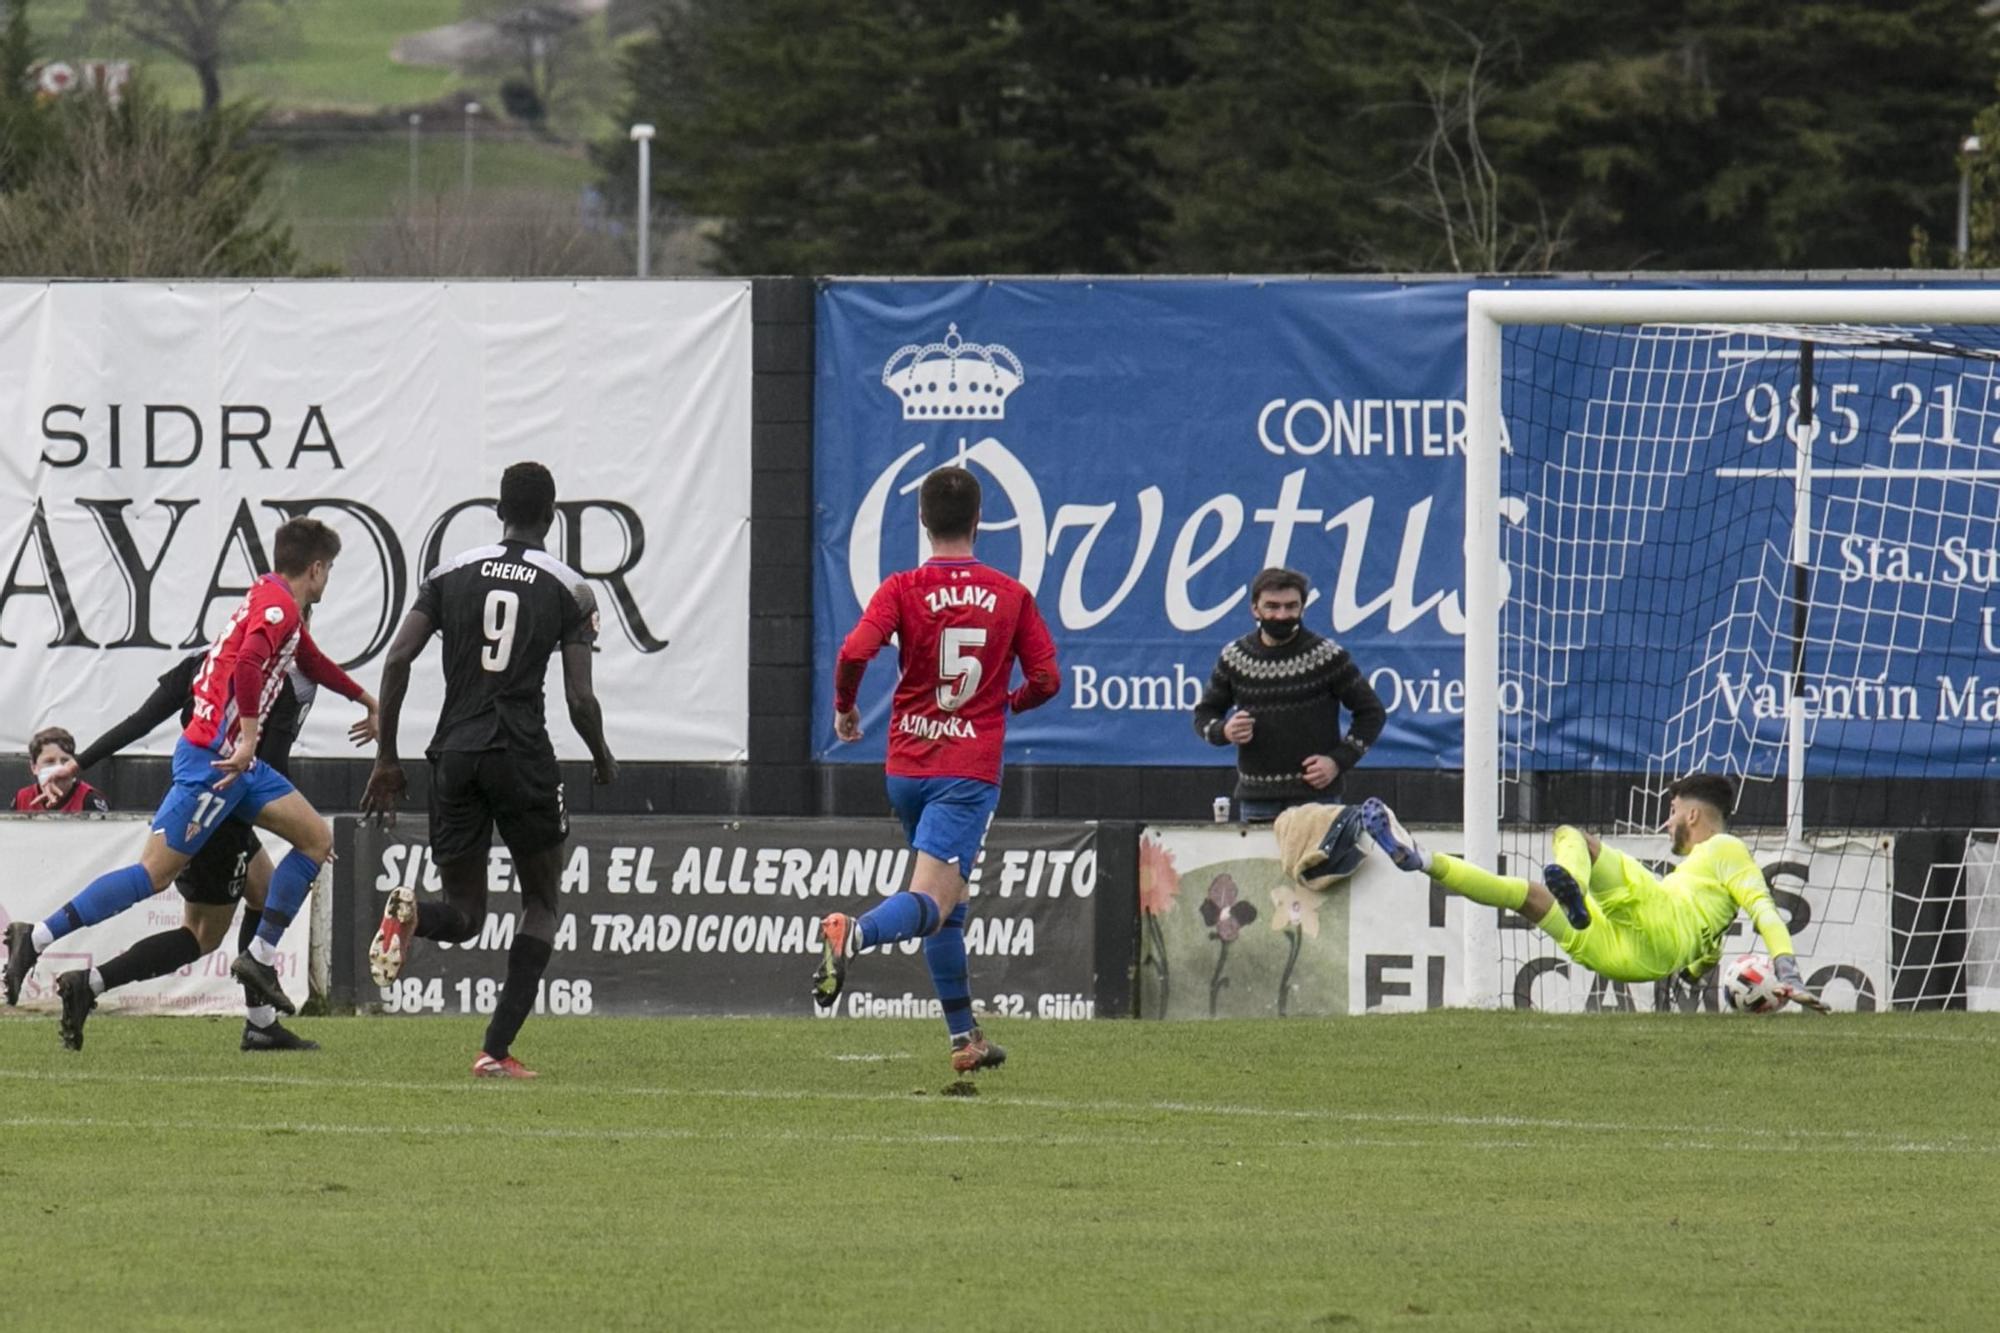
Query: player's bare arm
x=586, y=714
x=387, y=783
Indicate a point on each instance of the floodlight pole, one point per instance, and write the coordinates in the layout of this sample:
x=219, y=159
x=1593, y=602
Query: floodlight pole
x=416, y=128
x=642, y=134
x=471, y=112
x=1968, y=149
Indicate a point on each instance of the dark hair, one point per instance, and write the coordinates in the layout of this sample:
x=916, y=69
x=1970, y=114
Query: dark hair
x=1709, y=789
x=949, y=503
x=1278, y=578
x=300, y=543
x=527, y=495
x=51, y=736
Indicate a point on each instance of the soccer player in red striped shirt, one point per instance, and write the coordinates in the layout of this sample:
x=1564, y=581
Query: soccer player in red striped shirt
x=960, y=626
x=218, y=776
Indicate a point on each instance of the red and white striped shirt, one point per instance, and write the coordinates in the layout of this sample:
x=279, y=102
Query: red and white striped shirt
x=248, y=661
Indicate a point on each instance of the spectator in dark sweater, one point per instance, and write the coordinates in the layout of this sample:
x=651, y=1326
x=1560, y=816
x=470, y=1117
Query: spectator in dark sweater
x=1276, y=695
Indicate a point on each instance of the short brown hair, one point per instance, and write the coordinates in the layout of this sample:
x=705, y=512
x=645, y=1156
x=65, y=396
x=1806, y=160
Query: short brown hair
x=948, y=503
x=51, y=736
x=1279, y=578
x=300, y=543
x=1708, y=788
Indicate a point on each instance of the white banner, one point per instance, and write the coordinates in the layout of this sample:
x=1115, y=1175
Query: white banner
x=1385, y=941
x=1834, y=898
x=66, y=853
x=153, y=437
x=1379, y=942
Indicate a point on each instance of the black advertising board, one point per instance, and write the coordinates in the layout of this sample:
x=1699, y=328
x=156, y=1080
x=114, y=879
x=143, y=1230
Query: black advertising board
x=676, y=916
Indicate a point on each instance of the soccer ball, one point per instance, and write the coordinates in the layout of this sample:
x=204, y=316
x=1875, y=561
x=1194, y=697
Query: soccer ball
x=1750, y=985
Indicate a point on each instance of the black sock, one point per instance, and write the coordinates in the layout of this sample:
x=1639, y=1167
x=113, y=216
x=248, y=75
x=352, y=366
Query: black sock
x=442, y=921
x=526, y=962
x=154, y=956
x=244, y=934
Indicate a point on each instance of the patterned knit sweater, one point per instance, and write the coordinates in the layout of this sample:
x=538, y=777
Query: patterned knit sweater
x=1295, y=691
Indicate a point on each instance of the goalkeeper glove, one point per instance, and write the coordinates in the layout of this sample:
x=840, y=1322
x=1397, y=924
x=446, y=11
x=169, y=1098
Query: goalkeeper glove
x=1792, y=986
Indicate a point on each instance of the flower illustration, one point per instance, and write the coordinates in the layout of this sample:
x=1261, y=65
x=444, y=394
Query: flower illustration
x=1292, y=910
x=1159, y=885
x=1224, y=912
x=1225, y=915
x=1294, y=915
x=1159, y=882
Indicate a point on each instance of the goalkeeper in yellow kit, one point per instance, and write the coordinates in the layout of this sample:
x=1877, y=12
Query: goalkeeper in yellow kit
x=1614, y=916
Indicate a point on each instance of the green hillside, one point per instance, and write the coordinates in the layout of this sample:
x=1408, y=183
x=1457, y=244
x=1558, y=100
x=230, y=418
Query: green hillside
x=327, y=82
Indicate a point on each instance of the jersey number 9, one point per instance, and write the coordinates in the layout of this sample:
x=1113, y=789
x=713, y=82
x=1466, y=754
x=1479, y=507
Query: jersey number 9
x=503, y=615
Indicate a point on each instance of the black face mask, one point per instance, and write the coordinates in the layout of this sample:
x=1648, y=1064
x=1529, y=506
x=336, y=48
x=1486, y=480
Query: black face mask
x=1278, y=630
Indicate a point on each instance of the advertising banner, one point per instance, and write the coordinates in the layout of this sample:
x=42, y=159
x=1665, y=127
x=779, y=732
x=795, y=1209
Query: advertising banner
x=69, y=851
x=1146, y=447
x=1225, y=934
x=153, y=437
x=1834, y=900
x=684, y=916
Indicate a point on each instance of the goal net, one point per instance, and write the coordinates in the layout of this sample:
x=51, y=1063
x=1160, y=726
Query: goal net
x=1734, y=533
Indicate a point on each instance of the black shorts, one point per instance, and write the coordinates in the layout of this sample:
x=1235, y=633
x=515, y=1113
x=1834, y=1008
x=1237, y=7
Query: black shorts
x=473, y=793
x=217, y=872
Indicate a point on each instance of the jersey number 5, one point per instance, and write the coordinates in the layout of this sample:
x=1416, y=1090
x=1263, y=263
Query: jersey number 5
x=503, y=616
x=959, y=672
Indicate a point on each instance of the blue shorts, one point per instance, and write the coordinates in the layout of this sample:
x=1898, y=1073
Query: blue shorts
x=946, y=817
x=193, y=807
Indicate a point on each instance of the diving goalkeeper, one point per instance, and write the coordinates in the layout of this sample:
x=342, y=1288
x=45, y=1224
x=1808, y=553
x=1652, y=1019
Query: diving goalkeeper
x=1614, y=916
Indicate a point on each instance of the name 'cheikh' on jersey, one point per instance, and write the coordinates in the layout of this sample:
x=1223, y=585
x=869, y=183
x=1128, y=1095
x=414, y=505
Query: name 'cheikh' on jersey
x=246, y=666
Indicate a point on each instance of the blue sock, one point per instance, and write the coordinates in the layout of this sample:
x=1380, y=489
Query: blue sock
x=101, y=899
x=290, y=883
x=904, y=916
x=945, y=952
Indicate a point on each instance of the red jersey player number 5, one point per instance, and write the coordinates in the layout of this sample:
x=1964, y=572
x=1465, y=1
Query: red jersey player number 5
x=960, y=626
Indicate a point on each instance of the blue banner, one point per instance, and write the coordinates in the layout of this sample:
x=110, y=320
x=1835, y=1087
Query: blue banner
x=1147, y=447
x=1701, y=524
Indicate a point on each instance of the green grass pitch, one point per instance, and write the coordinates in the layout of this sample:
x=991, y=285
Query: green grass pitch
x=1435, y=1172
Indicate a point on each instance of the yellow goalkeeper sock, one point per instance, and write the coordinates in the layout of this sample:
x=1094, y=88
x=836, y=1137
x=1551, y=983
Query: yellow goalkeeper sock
x=1479, y=885
x=1557, y=927
x=1572, y=853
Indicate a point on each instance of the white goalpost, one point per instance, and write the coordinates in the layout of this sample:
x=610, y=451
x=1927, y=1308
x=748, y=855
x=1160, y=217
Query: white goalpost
x=1743, y=531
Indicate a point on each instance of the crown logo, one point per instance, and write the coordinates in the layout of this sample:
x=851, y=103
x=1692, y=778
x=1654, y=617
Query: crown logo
x=953, y=380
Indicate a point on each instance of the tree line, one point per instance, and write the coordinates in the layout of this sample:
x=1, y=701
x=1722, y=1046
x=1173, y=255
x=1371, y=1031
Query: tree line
x=1140, y=136
x=1145, y=136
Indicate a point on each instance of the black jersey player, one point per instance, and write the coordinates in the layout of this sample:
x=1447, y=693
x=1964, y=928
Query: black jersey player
x=502, y=611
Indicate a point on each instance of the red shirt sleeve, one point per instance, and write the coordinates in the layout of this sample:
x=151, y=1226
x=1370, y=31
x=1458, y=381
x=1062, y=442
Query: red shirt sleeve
x=323, y=670
x=252, y=655
x=878, y=624
x=1036, y=649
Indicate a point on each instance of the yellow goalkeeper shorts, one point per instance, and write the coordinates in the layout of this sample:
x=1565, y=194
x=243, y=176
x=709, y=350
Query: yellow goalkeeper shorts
x=1634, y=934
